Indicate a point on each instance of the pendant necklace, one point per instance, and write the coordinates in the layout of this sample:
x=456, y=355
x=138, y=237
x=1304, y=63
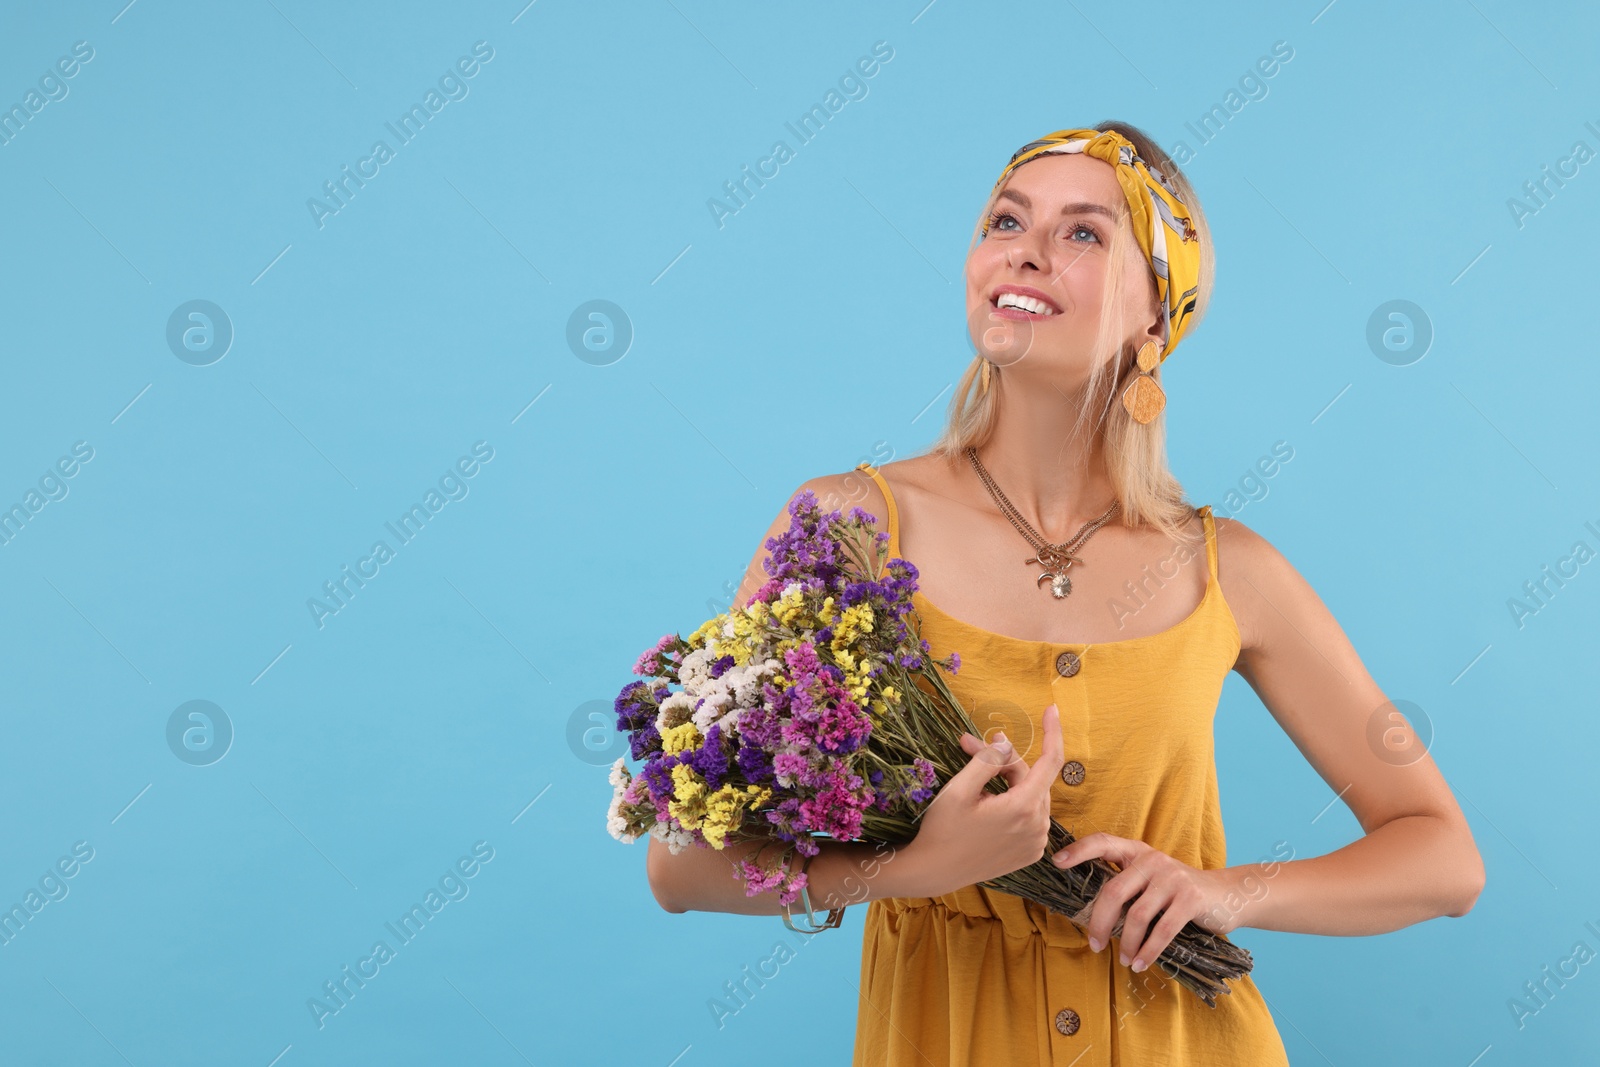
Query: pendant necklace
x=1056, y=559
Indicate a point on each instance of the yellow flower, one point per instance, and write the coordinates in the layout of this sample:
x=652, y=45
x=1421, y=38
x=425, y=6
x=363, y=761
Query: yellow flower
x=856, y=621
x=724, y=809
x=676, y=739
x=789, y=608
x=688, y=803
x=854, y=680
x=748, y=627
x=708, y=629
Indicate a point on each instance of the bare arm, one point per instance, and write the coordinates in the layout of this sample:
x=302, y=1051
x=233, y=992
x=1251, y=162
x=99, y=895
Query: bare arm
x=843, y=873
x=1417, y=859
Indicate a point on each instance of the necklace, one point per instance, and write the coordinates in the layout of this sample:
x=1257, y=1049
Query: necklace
x=1055, y=559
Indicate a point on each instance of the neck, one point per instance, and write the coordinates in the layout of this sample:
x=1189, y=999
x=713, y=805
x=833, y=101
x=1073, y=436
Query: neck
x=1053, y=472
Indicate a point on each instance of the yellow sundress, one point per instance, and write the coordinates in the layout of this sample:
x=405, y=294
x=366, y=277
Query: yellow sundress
x=979, y=978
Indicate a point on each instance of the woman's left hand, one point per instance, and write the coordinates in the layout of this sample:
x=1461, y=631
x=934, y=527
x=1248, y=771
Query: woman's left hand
x=1164, y=886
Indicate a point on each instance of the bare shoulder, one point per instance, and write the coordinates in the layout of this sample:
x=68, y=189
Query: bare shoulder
x=1238, y=546
x=1262, y=587
x=834, y=492
x=857, y=488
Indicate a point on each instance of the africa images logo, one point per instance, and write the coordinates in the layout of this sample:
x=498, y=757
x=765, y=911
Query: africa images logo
x=452, y=85
x=452, y=485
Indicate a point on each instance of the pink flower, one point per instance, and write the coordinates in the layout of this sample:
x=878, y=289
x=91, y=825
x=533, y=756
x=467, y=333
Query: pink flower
x=649, y=663
x=791, y=765
x=791, y=891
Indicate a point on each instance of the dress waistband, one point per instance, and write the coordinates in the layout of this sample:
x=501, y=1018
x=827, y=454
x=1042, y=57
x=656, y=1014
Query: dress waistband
x=1021, y=918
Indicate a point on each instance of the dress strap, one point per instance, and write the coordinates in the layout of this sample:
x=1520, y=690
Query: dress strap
x=893, y=518
x=1211, y=539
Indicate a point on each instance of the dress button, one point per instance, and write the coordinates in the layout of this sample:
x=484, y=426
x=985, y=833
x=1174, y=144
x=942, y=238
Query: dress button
x=1067, y=1021
x=1067, y=664
x=1072, y=772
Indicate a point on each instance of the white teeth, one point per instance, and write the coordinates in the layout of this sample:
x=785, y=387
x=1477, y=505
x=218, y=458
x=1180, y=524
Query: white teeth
x=1024, y=303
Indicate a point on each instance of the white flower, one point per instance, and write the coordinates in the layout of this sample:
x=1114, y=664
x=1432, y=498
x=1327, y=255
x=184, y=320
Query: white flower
x=714, y=699
x=676, y=840
x=749, y=681
x=675, y=711
x=694, y=673
x=619, y=775
x=616, y=825
x=712, y=706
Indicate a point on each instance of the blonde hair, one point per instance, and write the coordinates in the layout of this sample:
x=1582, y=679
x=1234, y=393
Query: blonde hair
x=1136, y=457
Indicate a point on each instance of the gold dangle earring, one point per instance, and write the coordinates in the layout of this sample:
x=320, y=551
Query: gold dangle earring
x=1143, y=397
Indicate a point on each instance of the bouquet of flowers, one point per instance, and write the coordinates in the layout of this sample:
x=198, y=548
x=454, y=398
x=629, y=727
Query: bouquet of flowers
x=814, y=710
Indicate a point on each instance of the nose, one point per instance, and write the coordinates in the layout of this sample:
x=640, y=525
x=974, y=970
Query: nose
x=1033, y=252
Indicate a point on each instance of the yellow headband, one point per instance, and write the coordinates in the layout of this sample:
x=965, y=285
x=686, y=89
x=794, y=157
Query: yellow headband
x=1155, y=212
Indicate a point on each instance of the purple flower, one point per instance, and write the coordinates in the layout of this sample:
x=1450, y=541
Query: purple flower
x=645, y=741
x=755, y=765
x=657, y=775
x=709, y=760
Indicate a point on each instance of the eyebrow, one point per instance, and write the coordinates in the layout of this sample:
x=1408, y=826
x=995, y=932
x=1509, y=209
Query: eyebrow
x=1068, y=209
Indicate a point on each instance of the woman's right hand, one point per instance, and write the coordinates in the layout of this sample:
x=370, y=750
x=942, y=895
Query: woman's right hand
x=971, y=835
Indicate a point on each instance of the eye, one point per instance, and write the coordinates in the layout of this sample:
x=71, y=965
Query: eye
x=1084, y=227
x=995, y=219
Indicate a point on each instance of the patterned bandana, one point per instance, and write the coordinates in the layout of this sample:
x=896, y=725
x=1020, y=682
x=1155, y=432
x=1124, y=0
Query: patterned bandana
x=1156, y=212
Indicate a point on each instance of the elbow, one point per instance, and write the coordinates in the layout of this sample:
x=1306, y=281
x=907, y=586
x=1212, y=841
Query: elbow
x=1468, y=896
x=660, y=883
x=1465, y=901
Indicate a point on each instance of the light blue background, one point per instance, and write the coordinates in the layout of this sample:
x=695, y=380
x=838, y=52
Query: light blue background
x=822, y=319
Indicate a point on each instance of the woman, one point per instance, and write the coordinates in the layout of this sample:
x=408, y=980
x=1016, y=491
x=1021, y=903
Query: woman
x=1095, y=668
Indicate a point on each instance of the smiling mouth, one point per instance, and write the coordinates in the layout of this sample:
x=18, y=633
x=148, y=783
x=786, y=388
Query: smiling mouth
x=1015, y=305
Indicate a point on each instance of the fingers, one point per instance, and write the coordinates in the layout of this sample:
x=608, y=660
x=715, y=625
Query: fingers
x=1006, y=761
x=1110, y=847
x=1052, y=756
x=986, y=762
x=1001, y=752
x=1140, y=914
x=1012, y=766
x=1109, y=902
x=1160, y=940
